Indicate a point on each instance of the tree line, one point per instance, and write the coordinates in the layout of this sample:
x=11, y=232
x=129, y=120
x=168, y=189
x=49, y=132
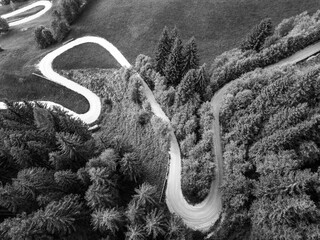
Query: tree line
x=271, y=184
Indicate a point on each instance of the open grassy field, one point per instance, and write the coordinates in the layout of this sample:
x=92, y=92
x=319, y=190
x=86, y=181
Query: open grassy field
x=27, y=88
x=134, y=26
x=25, y=14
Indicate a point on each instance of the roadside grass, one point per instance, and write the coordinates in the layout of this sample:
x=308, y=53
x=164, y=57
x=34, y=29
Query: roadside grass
x=88, y=55
x=18, y=61
x=135, y=26
x=119, y=125
x=7, y=8
x=27, y=88
x=25, y=14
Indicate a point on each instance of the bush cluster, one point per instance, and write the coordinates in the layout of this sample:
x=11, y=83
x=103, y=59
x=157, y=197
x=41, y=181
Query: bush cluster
x=277, y=49
x=66, y=13
x=4, y=26
x=43, y=37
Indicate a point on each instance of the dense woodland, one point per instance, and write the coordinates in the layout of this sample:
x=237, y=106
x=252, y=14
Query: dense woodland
x=58, y=180
x=270, y=132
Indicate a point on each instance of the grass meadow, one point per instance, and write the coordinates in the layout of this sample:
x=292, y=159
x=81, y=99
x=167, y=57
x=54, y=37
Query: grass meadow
x=134, y=27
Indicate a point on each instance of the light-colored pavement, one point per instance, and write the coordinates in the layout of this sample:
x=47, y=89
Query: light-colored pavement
x=201, y=216
x=47, y=5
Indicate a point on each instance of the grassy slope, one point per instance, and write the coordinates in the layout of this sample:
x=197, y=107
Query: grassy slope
x=119, y=122
x=25, y=14
x=135, y=25
x=18, y=61
x=27, y=88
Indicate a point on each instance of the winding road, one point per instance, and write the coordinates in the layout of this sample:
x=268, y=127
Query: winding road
x=201, y=216
x=47, y=5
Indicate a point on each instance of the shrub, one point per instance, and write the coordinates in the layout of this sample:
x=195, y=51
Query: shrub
x=70, y=9
x=284, y=27
x=43, y=37
x=60, y=29
x=276, y=52
x=4, y=26
x=144, y=118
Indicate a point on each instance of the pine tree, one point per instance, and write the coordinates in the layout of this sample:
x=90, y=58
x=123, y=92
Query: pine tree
x=103, y=192
x=43, y=119
x=176, y=228
x=135, y=232
x=186, y=88
x=73, y=152
x=108, y=220
x=136, y=94
x=155, y=223
x=134, y=213
x=58, y=218
x=173, y=69
x=174, y=34
x=203, y=83
x=163, y=51
x=190, y=56
x=257, y=36
x=68, y=181
x=130, y=166
x=145, y=194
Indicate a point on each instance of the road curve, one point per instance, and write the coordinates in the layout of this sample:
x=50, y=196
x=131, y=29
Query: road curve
x=201, y=216
x=47, y=5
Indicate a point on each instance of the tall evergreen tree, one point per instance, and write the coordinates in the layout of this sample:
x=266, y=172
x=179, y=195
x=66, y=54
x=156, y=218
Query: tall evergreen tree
x=186, y=88
x=163, y=51
x=190, y=56
x=173, y=69
x=155, y=224
x=256, y=38
x=108, y=220
x=59, y=219
x=174, y=34
x=135, y=232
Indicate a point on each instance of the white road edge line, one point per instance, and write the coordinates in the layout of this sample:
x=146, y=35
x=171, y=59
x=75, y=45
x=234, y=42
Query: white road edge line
x=47, y=5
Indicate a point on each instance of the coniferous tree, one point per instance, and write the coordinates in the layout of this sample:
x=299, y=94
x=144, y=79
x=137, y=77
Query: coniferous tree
x=155, y=224
x=186, y=88
x=173, y=69
x=136, y=94
x=257, y=36
x=107, y=220
x=73, y=152
x=135, y=232
x=129, y=166
x=57, y=219
x=163, y=51
x=174, y=34
x=145, y=194
x=176, y=228
x=190, y=56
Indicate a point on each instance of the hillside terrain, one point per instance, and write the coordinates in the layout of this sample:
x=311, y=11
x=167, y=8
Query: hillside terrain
x=186, y=143
x=135, y=26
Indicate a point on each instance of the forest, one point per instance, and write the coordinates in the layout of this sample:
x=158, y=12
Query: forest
x=59, y=180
